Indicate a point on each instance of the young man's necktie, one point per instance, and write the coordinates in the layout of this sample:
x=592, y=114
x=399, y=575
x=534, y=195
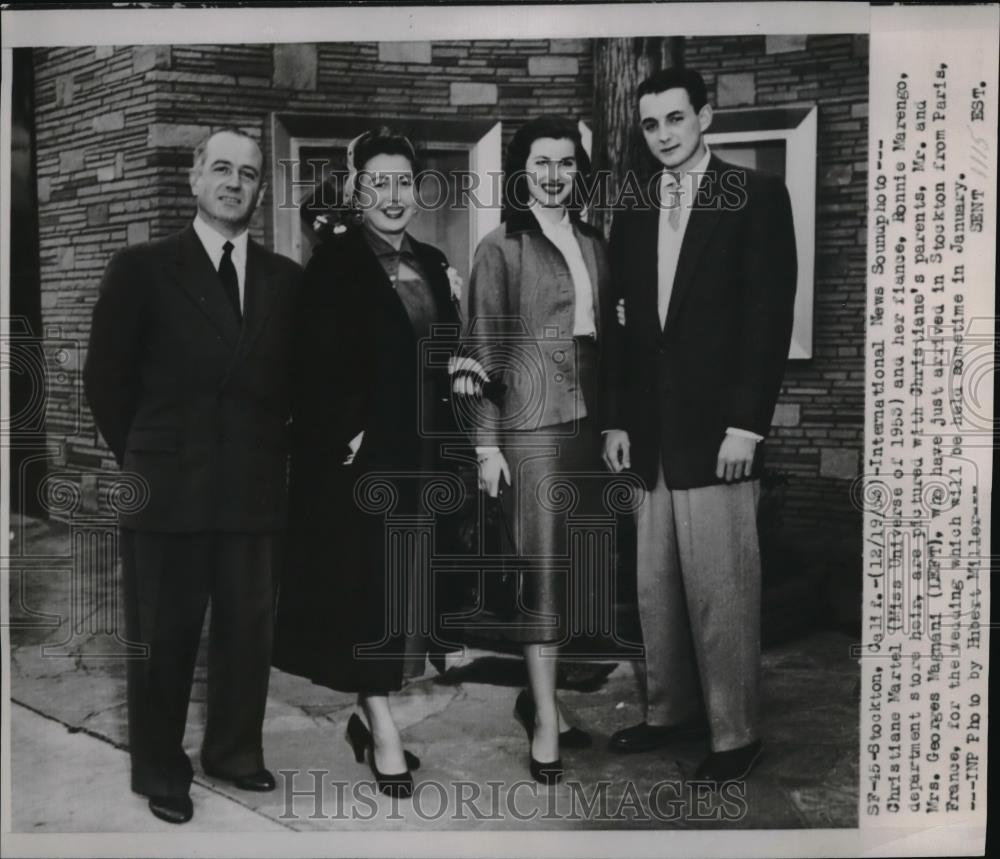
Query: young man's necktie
x=670, y=195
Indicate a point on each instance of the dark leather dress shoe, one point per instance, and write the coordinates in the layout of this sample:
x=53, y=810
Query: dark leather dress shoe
x=172, y=809
x=730, y=765
x=260, y=781
x=644, y=737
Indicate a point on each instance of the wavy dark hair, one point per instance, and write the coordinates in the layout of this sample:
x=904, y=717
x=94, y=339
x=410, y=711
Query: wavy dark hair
x=329, y=207
x=676, y=78
x=515, y=186
x=384, y=141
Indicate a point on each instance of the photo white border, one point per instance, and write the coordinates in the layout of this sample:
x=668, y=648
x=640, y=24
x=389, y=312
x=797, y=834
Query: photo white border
x=420, y=23
x=191, y=26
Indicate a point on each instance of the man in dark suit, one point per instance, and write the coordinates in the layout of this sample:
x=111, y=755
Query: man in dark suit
x=707, y=273
x=187, y=377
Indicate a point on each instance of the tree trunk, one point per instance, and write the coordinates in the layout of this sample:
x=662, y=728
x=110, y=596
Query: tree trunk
x=620, y=65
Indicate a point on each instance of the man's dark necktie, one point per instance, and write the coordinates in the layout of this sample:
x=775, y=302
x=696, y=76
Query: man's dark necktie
x=227, y=274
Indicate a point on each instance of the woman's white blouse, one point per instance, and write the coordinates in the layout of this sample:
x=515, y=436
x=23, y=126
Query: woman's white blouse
x=561, y=235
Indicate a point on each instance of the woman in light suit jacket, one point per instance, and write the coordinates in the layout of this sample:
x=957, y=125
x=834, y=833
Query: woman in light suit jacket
x=539, y=303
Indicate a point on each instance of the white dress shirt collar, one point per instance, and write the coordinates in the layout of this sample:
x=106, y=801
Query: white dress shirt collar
x=212, y=240
x=675, y=212
x=668, y=177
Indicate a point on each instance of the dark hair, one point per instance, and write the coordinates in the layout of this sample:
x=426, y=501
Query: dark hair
x=384, y=141
x=515, y=190
x=331, y=204
x=676, y=78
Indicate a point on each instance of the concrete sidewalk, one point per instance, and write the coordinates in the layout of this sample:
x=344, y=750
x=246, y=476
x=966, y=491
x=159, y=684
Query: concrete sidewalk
x=70, y=768
x=68, y=780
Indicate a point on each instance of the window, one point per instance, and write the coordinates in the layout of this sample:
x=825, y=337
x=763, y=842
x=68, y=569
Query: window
x=780, y=141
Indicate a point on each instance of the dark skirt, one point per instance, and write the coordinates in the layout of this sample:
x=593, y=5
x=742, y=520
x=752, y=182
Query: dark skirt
x=556, y=477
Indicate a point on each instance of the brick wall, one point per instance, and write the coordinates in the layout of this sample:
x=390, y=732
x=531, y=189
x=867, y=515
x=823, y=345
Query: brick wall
x=819, y=425
x=115, y=129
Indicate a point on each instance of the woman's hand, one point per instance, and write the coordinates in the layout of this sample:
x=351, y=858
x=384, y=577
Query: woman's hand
x=492, y=466
x=352, y=447
x=468, y=376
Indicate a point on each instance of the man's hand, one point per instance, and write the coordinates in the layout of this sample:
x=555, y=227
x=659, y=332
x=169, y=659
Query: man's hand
x=620, y=311
x=735, y=457
x=616, y=450
x=493, y=466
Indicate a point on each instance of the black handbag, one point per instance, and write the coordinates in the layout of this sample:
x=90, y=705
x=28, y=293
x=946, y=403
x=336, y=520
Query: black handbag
x=490, y=593
x=500, y=587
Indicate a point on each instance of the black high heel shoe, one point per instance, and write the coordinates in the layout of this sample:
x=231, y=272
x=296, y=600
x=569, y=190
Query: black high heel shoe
x=547, y=773
x=572, y=738
x=397, y=785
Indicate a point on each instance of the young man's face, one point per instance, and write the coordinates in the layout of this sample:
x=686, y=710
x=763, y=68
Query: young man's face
x=673, y=128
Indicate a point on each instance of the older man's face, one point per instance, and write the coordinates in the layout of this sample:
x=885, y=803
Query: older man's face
x=228, y=183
